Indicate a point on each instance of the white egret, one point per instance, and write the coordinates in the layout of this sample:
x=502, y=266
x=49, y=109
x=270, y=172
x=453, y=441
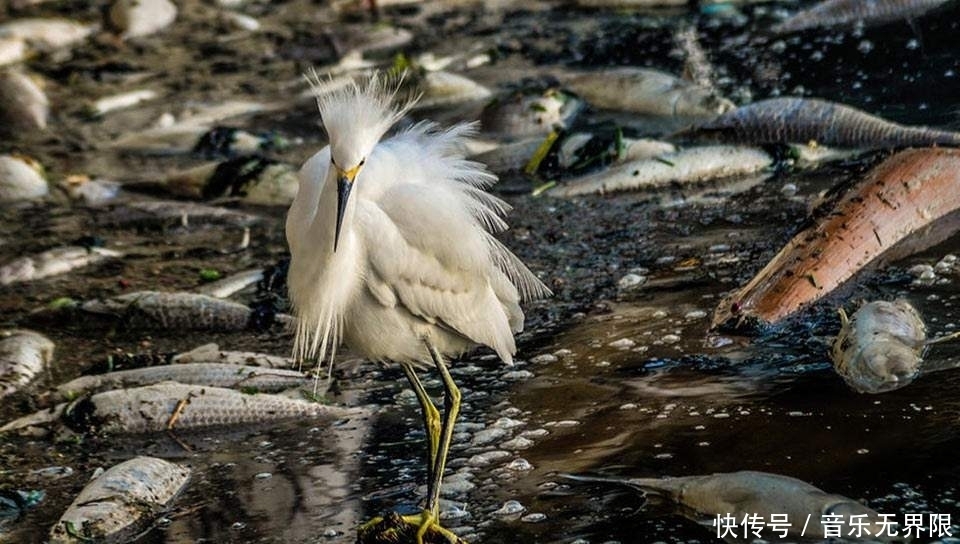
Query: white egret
x=392, y=252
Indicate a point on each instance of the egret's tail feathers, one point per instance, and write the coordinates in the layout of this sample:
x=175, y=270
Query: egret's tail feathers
x=529, y=285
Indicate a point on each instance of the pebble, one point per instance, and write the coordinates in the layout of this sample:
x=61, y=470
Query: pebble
x=488, y=458
x=509, y=508
x=533, y=518
x=488, y=436
x=534, y=433
x=263, y=476
x=623, y=343
x=789, y=190
x=518, y=443
x=136, y=18
x=508, y=423
x=670, y=339
x=520, y=465
x=546, y=358
x=695, y=314
x=631, y=281
x=516, y=375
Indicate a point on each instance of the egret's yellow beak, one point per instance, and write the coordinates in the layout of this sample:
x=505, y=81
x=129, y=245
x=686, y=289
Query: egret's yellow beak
x=344, y=185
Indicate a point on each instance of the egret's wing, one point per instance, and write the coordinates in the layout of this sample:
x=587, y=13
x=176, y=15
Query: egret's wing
x=428, y=254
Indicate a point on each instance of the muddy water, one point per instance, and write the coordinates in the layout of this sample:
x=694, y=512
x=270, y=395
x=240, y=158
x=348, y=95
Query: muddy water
x=626, y=383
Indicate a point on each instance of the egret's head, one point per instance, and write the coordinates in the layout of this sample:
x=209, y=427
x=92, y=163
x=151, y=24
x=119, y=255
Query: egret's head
x=355, y=117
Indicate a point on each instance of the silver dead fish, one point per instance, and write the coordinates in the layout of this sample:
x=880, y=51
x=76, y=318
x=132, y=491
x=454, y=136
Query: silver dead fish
x=803, y=120
x=754, y=493
x=833, y=13
x=246, y=378
x=190, y=311
x=114, y=506
x=880, y=347
x=23, y=355
x=171, y=405
x=52, y=262
x=211, y=353
x=645, y=91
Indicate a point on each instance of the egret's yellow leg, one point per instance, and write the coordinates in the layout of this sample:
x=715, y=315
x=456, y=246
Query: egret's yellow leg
x=431, y=418
x=451, y=409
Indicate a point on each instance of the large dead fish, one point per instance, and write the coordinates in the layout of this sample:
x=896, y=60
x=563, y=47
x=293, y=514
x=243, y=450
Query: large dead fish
x=52, y=262
x=172, y=405
x=880, y=348
x=646, y=91
x=23, y=355
x=529, y=112
x=118, y=504
x=900, y=197
x=211, y=353
x=185, y=311
x=693, y=165
x=245, y=378
x=803, y=120
x=748, y=493
x=833, y=13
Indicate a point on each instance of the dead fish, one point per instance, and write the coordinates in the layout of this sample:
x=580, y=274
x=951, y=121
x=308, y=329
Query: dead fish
x=183, y=311
x=252, y=178
x=12, y=50
x=439, y=89
x=900, y=197
x=119, y=503
x=138, y=18
x=52, y=262
x=513, y=157
x=21, y=178
x=693, y=165
x=645, y=91
x=23, y=355
x=529, y=113
x=833, y=13
x=24, y=106
x=246, y=378
x=120, y=101
x=171, y=405
x=231, y=284
x=880, y=348
x=46, y=34
x=169, y=213
x=211, y=353
x=803, y=120
x=748, y=493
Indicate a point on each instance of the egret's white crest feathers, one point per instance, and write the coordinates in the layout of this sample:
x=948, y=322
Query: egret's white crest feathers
x=416, y=258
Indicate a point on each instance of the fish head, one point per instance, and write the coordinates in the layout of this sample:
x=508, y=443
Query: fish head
x=883, y=365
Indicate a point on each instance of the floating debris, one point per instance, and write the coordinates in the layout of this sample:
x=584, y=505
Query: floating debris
x=803, y=120
x=172, y=213
x=880, y=347
x=173, y=311
x=138, y=18
x=46, y=34
x=118, y=504
x=52, y=262
x=121, y=101
x=171, y=405
x=232, y=284
x=24, y=106
x=753, y=493
x=21, y=178
x=694, y=165
x=530, y=113
x=255, y=179
x=645, y=91
x=211, y=353
x=245, y=378
x=23, y=355
x=834, y=13
x=902, y=196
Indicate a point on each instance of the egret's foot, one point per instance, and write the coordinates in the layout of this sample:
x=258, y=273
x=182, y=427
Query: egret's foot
x=396, y=529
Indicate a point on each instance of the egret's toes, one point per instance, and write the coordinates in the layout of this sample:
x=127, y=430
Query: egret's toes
x=415, y=529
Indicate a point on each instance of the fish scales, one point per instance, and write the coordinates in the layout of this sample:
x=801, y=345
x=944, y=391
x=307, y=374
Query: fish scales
x=153, y=309
x=52, y=262
x=845, y=12
x=211, y=374
x=23, y=355
x=802, y=120
x=119, y=502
